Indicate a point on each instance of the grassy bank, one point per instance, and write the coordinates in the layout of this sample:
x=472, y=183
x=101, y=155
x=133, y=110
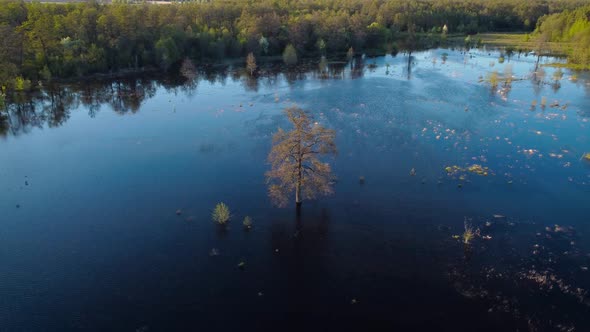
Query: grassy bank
x=517, y=41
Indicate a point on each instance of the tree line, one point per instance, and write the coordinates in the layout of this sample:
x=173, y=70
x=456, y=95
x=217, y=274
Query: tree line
x=42, y=41
x=571, y=27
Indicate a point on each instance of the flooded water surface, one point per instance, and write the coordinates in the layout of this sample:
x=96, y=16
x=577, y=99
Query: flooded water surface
x=107, y=191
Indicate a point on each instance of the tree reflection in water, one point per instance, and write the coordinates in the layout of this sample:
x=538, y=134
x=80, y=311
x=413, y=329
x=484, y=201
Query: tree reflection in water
x=51, y=106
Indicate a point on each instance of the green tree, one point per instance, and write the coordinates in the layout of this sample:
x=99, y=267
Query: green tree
x=263, y=42
x=467, y=42
x=290, y=55
x=294, y=158
x=88, y=37
x=167, y=52
x=9, y=55
x=322, y=46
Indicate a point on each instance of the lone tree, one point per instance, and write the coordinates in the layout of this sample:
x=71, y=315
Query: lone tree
x=294, y=159
x=251, y=63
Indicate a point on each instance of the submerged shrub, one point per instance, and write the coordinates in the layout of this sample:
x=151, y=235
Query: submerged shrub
x=221, y=214
x=247, y=222
x=493, y=79
x=557, y=75
x=469, y=234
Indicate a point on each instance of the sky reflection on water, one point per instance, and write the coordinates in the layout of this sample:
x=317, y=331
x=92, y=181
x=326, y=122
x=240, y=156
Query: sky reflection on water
x=92, y=176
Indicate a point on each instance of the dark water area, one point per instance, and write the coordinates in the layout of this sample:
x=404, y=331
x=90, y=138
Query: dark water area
x=92, y=176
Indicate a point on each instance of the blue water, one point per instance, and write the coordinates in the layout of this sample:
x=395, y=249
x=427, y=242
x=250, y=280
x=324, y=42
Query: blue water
x=90, y=238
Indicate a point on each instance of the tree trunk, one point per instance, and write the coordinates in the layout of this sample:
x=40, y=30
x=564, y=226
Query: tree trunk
x=299, y=175
x=410, y=64
x=298, y=187
x=44, y=52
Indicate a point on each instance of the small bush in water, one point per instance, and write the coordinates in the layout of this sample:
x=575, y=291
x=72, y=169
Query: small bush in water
x=469, y=234
x=221, y=214
x=247, y=222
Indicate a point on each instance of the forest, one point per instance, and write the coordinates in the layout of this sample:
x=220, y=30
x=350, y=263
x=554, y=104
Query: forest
x=572, y=28
x=45, y=41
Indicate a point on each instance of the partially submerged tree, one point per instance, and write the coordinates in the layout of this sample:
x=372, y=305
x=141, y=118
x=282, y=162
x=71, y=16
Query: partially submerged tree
x=188, y=70
x=541, y=47
x=295, y=162
x=251, y=63
x=493, y=79
x=508, y=75
x=557, y=75
x=350, y=54
x=221, y=214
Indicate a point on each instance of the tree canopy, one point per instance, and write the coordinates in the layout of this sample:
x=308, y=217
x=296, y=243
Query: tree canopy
x=294, y=158
x=572, y=27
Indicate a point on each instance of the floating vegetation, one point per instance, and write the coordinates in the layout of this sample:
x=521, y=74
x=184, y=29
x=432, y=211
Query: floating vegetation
x=478, y=169
x=452, y=169
x=460, y=172
x=529, y=152
x=508, y=281
x=586, y=156
x=247, y=222
x=221, y=214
